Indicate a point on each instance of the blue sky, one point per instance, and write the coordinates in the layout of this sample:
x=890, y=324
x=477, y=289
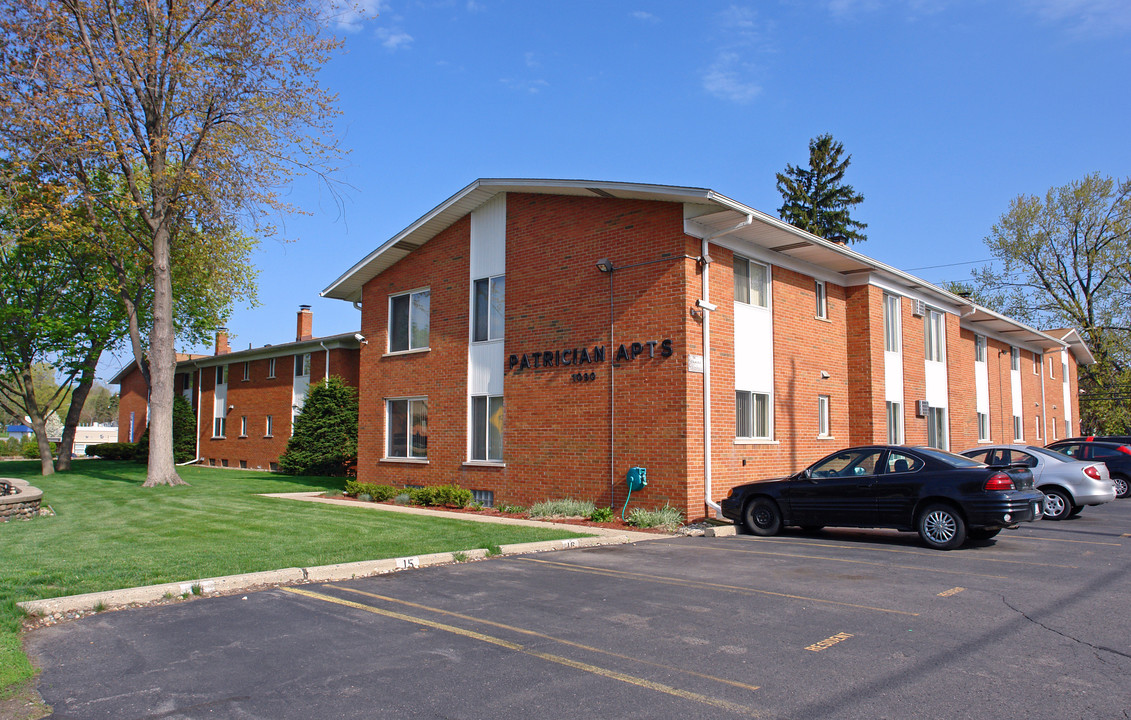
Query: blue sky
x=950, y=108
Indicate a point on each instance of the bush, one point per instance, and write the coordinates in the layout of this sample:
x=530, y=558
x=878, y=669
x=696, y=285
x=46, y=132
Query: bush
x=666, y=517
x=112, y=451
x=562, y=508
x=604, y=514
x=446, y=495
x=377, y=493
x=30, y=449
x=325, y=432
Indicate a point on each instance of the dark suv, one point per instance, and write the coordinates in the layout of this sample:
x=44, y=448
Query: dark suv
x=1117, y=457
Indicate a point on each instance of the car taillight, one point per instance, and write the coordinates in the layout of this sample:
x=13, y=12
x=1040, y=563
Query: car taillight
x=999, y=481
x=1092, y=472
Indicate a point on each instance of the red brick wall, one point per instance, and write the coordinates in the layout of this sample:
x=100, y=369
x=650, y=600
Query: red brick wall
x=962, y=403
x=132, y=398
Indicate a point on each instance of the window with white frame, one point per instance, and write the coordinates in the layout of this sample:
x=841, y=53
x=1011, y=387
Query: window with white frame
x=820, y=293
x=980, y=348
x=270, y=367
x=823, y=421
x=1037, y=364
x=269, y=426
x=1051, y=366
x=487, y=428
x=302, y=365
x=219, y=427
x=246, y=371
x=892, y=323
x=406, y=424
x=1064, y=371
x=895, y=422
x=489, y=307
x=1014, y=358
x=934, y=330
x=751, y=282
x=936, y=428
x=221, y=374
x=752, y=415
x=983, y=426
x=243, y=425
x=408, y=320
x=1018, y=429
x=1067, y=428
x=1037, y=427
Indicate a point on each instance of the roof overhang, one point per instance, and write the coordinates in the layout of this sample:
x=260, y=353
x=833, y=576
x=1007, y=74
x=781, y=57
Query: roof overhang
x=1075, y=342
x=347, y=341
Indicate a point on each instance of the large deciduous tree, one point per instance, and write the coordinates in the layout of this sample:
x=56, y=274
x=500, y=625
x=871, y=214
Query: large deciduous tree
x=1064, y=260
x=200, y=109
x=816, y=199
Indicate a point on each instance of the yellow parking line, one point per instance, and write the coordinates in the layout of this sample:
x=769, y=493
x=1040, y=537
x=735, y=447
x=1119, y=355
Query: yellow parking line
x=586, y=667
x=713, y=586
x=1079, y=542
x=542, y=636
x=933, y=553
x=854, y=562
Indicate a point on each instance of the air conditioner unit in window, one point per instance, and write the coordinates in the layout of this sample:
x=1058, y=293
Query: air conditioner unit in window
x=918, y=308
x=922, y=407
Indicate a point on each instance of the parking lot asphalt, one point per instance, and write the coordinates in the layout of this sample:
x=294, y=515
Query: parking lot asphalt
x=834, y=624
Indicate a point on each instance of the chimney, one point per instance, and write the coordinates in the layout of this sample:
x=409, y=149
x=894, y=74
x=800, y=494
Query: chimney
x=305, y=323
x=222, y=347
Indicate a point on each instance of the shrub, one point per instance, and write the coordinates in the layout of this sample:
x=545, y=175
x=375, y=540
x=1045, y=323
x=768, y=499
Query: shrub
x=666, y=517
x=325, y=432
x=562, y=508
x=446, y=495
x=184, y=434
x=604, y=514
x=379, y=493
x=112, y=451
x=30, y=449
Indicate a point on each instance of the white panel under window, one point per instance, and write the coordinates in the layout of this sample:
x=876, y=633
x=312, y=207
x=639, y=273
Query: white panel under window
x=488, y=238
x=1015, y=391
x=893, y=376
x=753, y=348
x=485, y=368
x=1067, y=393
x=982, y=387
x=935, y=374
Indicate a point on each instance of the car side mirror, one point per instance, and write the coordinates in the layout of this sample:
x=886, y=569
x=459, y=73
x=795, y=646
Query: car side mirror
x=805, y=474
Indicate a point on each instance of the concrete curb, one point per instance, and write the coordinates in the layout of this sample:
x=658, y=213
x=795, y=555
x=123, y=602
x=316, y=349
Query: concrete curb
x=110, y=599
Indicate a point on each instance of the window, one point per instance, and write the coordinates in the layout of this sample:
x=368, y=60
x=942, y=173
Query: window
x=487, y=428
x=219, y=426
x=822, y=416
x=820, y=292
x=1037, y=427
x=892, y=330
x=1067, y=428
x=269, y=428
x=408, y=321
x=1014, y=359
x=750, y=282
x=489, y=306
x=246, y=371
x=221, y=374
x=935, y=331
x=302, y=365
x=243, y=464
x=1018, y=429
x=752, y=415
x=186, y=382
x=1064, y=371
x=895, y=423
x=224, y=462
x=980, y=348
x=936, y=427
x=1050, y=367
x=850, y=463
x=900, y=463
x=407, y=428
x=1037, y=365
x=243, y=426
x=486, y=498
x=270, y=367
x=983, y=426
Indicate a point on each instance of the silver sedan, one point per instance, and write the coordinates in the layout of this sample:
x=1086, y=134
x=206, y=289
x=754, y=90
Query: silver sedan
x=1068, y=484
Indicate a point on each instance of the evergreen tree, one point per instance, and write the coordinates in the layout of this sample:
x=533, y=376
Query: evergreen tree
x=325, y=437
x=184, y=434
x=816, y=198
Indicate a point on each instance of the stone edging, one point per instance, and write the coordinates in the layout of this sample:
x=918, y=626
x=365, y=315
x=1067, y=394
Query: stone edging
x=326, y=573
x=24, y=504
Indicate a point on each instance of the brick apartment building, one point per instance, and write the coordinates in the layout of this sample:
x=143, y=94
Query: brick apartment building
x=245, y=401
x=534, y=339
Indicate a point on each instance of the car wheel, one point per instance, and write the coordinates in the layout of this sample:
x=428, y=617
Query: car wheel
x=1120, y=485
x=1076, y=510
x=1057, y=504
x=982, y=533
x=762, y=516
x=941, y=527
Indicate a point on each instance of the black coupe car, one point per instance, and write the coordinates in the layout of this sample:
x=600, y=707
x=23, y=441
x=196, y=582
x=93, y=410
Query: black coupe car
x=944, y=497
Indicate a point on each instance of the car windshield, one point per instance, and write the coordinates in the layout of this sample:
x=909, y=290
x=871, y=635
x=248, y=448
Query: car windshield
x=1056, y=455
x=949, y=458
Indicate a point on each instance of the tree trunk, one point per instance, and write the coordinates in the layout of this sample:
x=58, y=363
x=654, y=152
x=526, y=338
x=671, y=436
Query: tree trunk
x=78, y=401
x=37, y=421
x=162, y=367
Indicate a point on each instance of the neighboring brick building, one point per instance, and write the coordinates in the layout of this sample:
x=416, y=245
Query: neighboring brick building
x=245, y=401
x=534, y=339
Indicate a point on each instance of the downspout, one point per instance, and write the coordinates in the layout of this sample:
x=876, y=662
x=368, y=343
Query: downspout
x=326, y=373
x=705, y=304
x=199, y=377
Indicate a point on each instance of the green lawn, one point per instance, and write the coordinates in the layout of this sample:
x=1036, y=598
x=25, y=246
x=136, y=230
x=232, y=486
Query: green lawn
x=109, y=532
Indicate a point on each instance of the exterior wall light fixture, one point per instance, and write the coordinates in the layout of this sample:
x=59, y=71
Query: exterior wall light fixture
x=605, y=265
